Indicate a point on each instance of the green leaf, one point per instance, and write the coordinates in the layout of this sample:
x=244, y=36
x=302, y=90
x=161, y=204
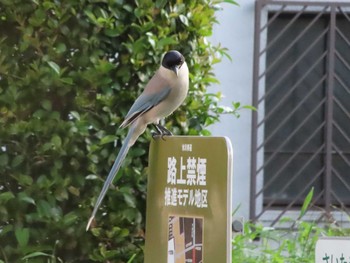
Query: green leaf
x=22, y=196
x=108, y=139
x=249, y=107
x=25, y=180
x=92, y=177
x=4, y=159
x=236, y=105
x=130, y=199
x=54, y=66
x=22, y=236
x=161, y=43
x=205, y=132
x=184, y=20
x=136, y=152
x=5, y=197
x=160, y=3
x=46, y=104
x=124, y=232
x=68, y=81
x=56, y=141
x=61, y=194
x=128, y=8
x=306, y=203
x=231, y=2
x=75, y=115
x=113, y=32
x=36, y=254
x=17, y=160
x=211, y=80
x=5, y=229
x=91, y=16
x=44, y=208
x=38, y=18
x=132, y=258
x=73, y=190
x=96, y=231
x=70, y=218
x=61, y=48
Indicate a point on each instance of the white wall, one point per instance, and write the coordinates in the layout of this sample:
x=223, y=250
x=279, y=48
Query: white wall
x=236, y=32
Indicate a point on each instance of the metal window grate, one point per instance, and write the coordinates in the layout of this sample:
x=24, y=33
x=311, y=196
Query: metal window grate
x=301, y=88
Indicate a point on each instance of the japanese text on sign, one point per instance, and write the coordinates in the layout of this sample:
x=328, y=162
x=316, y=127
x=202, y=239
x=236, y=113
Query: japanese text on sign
x=186, y=182
x=333, y=259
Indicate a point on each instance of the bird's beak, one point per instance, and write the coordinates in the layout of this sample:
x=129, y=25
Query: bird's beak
x=176, y=70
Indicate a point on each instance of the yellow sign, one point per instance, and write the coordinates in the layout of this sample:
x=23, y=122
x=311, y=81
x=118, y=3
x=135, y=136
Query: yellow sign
x=189, y=200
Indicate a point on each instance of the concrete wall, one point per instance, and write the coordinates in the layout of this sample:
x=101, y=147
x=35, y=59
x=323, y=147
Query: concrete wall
x=236, y=32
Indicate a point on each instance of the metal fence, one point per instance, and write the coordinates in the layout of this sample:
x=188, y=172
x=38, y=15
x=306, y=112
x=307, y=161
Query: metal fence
x=301, y=88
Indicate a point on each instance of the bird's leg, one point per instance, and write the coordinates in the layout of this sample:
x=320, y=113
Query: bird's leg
x=164, y=131
x=158, y=131
x=161, y=131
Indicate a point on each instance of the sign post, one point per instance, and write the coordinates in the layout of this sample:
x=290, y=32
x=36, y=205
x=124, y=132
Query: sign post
x=333, y=250
x=188, y=217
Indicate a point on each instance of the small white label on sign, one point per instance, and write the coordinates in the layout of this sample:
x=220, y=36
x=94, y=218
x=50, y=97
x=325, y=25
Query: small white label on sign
x=333, y=250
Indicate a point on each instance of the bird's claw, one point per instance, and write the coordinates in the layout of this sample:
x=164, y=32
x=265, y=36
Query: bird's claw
x=156, y=135
x=161, y=132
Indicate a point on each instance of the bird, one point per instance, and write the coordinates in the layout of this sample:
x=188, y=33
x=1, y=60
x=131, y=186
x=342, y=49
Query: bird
x=162, y=95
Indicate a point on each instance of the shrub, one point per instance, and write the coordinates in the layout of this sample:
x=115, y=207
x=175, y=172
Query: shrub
x=259, y=244
x=69, y=71
x=293, y=244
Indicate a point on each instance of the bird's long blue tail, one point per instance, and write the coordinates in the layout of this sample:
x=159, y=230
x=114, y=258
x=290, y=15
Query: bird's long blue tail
x=115, y=168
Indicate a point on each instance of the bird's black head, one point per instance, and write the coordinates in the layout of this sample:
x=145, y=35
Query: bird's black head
x=173, y=60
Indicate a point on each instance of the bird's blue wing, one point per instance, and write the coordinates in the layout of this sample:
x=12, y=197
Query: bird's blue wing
x=144, y=103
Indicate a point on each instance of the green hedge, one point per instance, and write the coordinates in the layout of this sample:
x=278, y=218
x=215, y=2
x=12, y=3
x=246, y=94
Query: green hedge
x=69, y=71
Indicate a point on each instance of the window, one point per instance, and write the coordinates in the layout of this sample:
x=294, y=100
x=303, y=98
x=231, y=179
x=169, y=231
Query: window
x=301, y=132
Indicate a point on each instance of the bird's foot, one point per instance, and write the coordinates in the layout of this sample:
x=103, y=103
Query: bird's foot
x=161, y=132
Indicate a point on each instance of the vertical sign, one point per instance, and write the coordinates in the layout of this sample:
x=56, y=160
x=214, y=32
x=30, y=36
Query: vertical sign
x=333, y=250
x=188, y=217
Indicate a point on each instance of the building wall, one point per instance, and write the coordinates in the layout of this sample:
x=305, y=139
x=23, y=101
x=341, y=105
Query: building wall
x=236, y=32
